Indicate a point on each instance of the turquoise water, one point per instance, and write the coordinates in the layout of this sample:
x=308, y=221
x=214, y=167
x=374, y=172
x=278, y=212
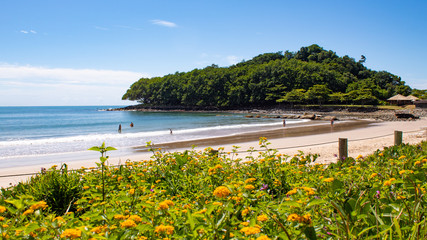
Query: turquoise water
x=38, y=131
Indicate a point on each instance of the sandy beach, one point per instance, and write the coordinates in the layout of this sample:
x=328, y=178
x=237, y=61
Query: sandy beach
x=364, y=137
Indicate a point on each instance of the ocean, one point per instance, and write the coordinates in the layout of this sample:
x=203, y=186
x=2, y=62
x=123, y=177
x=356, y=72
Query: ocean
x=31, y=134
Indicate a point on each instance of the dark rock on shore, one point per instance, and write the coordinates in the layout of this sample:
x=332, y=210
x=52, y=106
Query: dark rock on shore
x=302, y=112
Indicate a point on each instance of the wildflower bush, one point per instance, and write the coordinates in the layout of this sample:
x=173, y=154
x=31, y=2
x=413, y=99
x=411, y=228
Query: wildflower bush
x=212, y=194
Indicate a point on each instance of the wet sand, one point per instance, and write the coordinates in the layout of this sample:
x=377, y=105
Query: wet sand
x=292, y=130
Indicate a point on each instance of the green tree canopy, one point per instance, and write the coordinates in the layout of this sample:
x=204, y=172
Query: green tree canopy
x=268, y=78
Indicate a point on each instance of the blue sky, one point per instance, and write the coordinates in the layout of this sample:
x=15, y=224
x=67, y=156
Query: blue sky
x=89, y=52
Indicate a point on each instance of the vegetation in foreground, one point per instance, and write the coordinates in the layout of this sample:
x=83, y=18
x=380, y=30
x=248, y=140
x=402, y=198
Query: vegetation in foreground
x=217, y=195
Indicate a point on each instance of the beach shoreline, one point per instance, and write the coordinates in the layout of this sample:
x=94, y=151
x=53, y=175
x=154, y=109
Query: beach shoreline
x=364, y=136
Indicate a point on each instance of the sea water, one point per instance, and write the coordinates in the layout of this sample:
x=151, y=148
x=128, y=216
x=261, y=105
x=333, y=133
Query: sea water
x=33, y=132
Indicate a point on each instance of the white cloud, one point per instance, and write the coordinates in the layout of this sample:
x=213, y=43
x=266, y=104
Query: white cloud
x=31, y=74
x=26, y=32
x=29, y=85
x=101, y=28
x=206, y=60
x=232, y=59
x=128, y=27
x=164, y=23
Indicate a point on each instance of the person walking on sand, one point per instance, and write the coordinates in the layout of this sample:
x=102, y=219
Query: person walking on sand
x=284, y=122
x=332, y=122
x=120, y=128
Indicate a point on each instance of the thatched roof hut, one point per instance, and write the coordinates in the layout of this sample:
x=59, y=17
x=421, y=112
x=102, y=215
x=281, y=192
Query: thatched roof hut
x=412, y=98
x=400, y=100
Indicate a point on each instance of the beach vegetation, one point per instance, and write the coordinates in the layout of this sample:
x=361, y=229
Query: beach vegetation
x=196, y=194
x=320, y=75
x=58, y=187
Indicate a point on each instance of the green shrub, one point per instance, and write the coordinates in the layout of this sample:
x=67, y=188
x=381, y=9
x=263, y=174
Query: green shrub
x=59, y=188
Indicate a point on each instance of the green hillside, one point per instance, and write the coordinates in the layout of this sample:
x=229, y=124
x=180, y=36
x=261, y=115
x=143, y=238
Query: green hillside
x=312, y=75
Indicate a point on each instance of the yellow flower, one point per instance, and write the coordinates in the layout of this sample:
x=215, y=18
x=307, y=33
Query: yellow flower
x=263, y=237
x=309, y=191
x=2, y=209
x=1, y=218
x=246, y=211
x=221, y=192
x=29, y=211
x=38, y=205
x=249, y=187
x=201, y=211
x=293, y=218
x=128, y=224
x=389, y=182
x=401, y=157
x=293, y=191
x=417, y=163
x=400, y=197
x=305, y=219
x=245, y=224
x=71, y=233
x=164, y=229
x=374, y=175
x=85, y=187
x=97, y=229
x=250, y=230
x=217, y=204
x=359, y=157
x=262, y=218
x=131, y=191
x=249, y=180
x=165, y=204
x=119, y=217
x=135, y=218
x=328, y=179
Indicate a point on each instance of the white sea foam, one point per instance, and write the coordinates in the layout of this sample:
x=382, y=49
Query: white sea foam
x=54, y=145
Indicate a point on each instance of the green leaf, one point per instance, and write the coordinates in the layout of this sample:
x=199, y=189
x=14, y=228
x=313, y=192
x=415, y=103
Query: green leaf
x=17, y=203
x=337, y=185
x=365, y=230
x=310, y=233
x=31, y=227
x=110, y=149
x=94, y=149
x=397, y=226
x=290, y=204
x=190, y=220
x=315, y=202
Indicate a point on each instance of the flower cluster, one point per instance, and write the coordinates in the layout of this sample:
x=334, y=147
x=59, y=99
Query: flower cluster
x=221, y=192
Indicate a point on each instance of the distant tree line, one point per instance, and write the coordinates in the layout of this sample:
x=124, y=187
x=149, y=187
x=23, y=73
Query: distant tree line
x=310, y=76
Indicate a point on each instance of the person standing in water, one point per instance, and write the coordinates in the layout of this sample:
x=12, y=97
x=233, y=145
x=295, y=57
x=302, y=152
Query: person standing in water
x=170, y=129
x=131, y=124
x=120, y=128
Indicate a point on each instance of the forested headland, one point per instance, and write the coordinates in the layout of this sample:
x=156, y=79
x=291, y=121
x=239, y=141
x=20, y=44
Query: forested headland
x=312, y=75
